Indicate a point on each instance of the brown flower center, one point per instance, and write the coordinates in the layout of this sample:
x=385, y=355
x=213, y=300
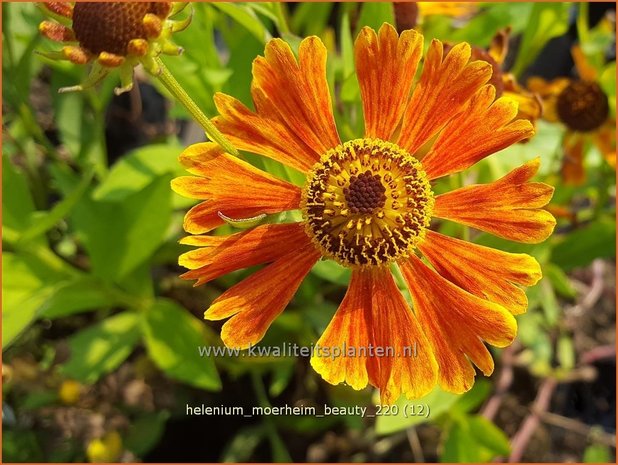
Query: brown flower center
x=109, y=27
x=365, y=193
x=583, y=106
x=367, y=203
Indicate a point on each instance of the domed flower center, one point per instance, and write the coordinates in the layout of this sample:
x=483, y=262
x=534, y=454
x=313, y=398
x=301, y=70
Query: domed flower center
x=583, y=106
x=367, y=202
x=109, y=27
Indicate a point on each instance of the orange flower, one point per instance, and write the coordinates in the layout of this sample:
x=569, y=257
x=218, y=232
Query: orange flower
x=529, y=104
x=368, y=204
x=112, y=35
x=583, y=107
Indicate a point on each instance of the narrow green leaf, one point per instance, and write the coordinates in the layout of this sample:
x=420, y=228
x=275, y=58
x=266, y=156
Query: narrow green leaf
x=246, y=17
x=546, y=21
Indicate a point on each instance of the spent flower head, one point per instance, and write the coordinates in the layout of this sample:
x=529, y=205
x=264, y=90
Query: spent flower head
x=112, y=35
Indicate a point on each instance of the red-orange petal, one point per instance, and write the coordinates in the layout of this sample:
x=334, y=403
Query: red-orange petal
x=455, y=323
x=485, y=272
x=374, y=314
x=484, y=127
x=443, y=90
x=297, y=91
x=255, y=302
x=230, y=187
x=386, y=65
x=265, y=136
x=510, y=207
x=262, y=244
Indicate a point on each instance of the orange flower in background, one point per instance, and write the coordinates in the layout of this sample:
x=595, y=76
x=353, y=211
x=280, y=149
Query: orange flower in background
x=368, y=204
x=583, y=107
x=112, y=35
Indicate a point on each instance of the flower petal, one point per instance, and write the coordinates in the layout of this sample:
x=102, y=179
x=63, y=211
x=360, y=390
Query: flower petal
x=385, y=66
x=255, y=133
x=298, y=91
x=256, y=301
x=484, y=127
x=509, y=207
x=456, y=322
x=444, y=88
x=262, y=244
x=487, y=273
x=374, y=314
x=230, y=186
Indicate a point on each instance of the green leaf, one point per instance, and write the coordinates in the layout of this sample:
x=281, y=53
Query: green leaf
x=100, y=349
x=347, y=46
x=474, y=439
x=310, y=18
x=489, y=435
x=20, y=445
x=27, y=284
x=549, y=302
x=559, y=280
x=145, y=432
x=597, y=453
x=246, y=17
x=49, y=219
x=241, y=447
x=119, y=236
x=281, y=376
x=474, y=397
x=582, y=246
x=460, y=446
x=546, y=21
x=566, y=352
x=82, y=294
x=374, y=14
x=137, y=169
x=437, y=400
x=17, y=203
x=173, y=337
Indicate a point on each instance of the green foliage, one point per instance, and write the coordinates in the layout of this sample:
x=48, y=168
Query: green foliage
x=173, y=338
x=99, y=349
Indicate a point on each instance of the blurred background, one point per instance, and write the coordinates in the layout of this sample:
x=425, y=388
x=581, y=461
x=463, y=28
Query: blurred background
x=100, y=336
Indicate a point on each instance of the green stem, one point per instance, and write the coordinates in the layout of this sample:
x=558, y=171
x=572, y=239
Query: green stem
x=582, y=23
x=280, y=453
x=172, y=85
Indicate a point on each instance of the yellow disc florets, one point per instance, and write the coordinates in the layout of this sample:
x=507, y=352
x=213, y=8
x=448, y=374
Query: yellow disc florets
x=367, y=203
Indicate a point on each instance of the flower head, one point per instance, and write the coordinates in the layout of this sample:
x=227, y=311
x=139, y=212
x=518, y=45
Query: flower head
x=369, y=205
x=583, y=107
x=112, y=35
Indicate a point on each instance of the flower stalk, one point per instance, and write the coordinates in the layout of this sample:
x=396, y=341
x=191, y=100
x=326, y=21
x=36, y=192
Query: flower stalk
x=172, y=85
